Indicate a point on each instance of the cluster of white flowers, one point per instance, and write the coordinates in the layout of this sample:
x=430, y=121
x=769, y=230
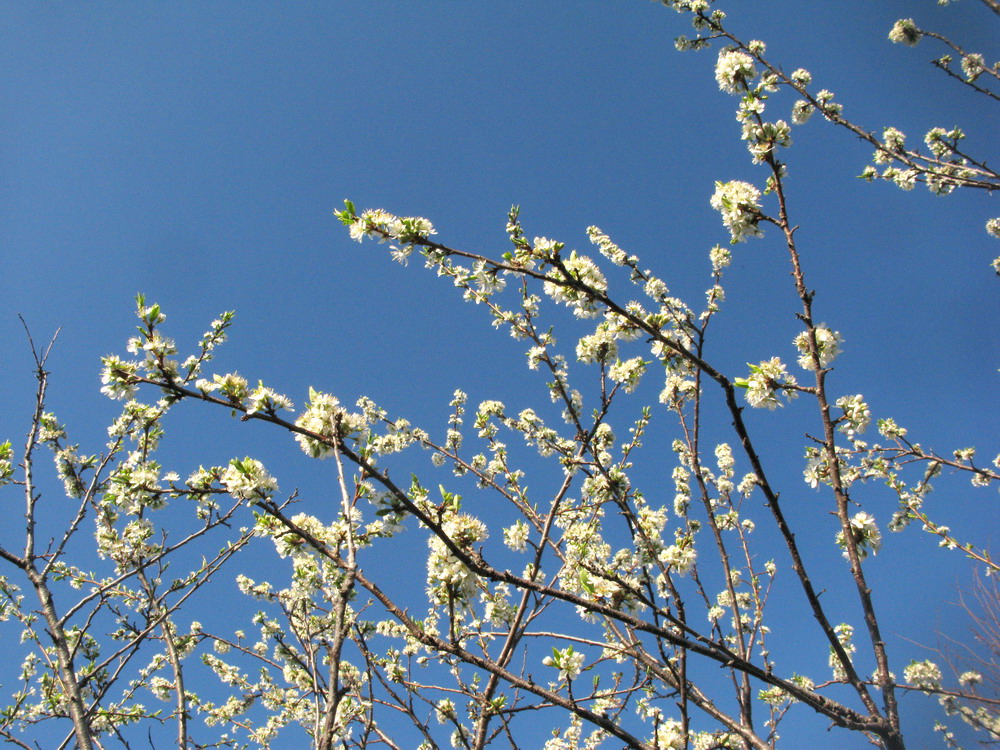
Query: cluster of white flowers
x=600, y=346
x=578, y=270
x=568, y=661
x=925, y=674
x=400, y=436
x=251, y=588
x=762, y=137
x=117, y=378
x=445, y=711
x=904, y=179
x=765, y=380
x=680, y=558
x=516, y=536
x=720, y=257
x=724, y=457
x=734, y=70
x=801, y=112
x=288, y=544
x=656, y=289
x=325, y=417
x=857, y=415
x=232, y=385
x=545, y=248
x=865, y=532
x=676, y=390
x=6, y=463
x=628, y=373
x=609, y=249
x=845, y=634
x=936, y=143
x=248, y=480
x=747, y=483
x=682, y=488
x=623, y=326
x=129, y=546
x=827, y=345
x=973, y=66
x=888, y=428
x=447, y=576
x=381, y=225
x=499, y=609
x=264, y=399
x=670, y=735
x=739, y=204
x=970, y=679
x=905, y=31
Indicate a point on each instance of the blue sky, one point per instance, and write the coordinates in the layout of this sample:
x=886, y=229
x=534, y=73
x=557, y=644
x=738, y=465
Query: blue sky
x=195, y=152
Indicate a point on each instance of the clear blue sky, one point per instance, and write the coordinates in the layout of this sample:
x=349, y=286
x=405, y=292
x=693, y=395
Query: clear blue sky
x=195, y=152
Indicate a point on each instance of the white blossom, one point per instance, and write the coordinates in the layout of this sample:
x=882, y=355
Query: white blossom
x=567, y=661
x=827, y=345
x=248, y=480
x=734, y=70
x=865, y=532
x=905, y=31
x=738, y=202
x=925, y=674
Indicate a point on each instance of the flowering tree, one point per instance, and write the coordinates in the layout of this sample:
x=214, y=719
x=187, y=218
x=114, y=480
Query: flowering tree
x=596, y=608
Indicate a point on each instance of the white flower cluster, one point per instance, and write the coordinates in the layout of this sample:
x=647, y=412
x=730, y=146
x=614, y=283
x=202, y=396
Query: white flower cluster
x=325, y=417
x=567, y=661
x=400, y=435
x=600, y=346
x=721, y=257
x=734, y=70
x=680, y=558
x=287, y=544
x=865, y=532
x=827, y=106
x=628, y=373
x=117, y=377
x=582, y=280
x=801, y=112
x=973, y=66
x=738, y=202
x=264, y=399
x=609, y=249
x=516, y=536
x=936, y=140
x=762, y=137
x=888, y=428
x=970, y=679
x=765, y=380
x=827, y=344
x=445, y=711
x=6, y=464
x=857, y=416
x=232, y=385
x=905, y=31
x=248, y=480
x=845, y=634
x=383, y=225
x=925, y=674
x=670, y=735
x=447, y=576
